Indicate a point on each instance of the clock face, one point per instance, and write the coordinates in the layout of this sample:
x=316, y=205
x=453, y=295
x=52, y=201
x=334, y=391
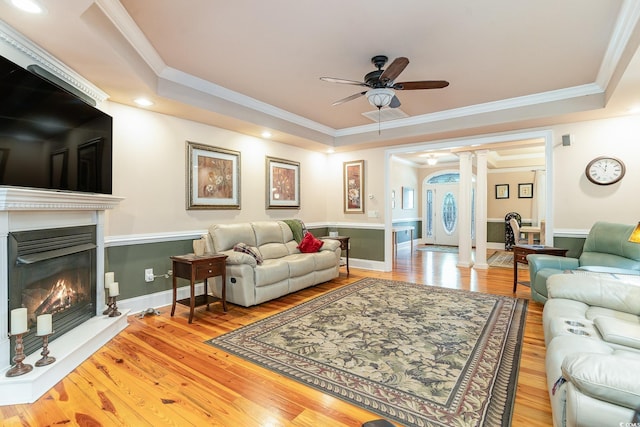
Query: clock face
x=605, y=170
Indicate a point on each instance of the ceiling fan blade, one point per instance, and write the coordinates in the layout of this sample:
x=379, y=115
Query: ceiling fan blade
x=349, y=98
x=425, y=84
x=394, y=69
x=343, y=81
x=395, y=102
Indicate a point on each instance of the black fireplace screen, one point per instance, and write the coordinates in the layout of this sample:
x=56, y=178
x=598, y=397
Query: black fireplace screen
x=53, y=271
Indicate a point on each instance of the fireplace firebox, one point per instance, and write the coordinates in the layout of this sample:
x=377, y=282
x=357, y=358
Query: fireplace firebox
x=52, y=271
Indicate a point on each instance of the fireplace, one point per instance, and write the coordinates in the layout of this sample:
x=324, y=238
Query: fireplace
x=52, y=243
x=52, y=271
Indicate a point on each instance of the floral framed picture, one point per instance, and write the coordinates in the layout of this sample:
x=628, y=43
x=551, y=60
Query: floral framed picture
x=502, y=191
x=283, y=184
x=213, y=177
x=353, y=173
x=525, y=191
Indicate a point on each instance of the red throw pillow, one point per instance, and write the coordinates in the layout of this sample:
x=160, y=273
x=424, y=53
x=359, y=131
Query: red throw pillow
x=310, y=244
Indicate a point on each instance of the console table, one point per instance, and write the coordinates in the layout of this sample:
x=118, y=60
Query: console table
x=520, y=253
x=394, y=237
x=195, y=268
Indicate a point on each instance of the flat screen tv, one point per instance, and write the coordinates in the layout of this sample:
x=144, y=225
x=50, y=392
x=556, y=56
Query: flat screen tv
x=50, y=138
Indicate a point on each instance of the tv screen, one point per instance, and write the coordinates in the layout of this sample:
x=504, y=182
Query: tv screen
x=50, y=138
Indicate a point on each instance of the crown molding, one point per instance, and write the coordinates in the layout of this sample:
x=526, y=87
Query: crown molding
x=628, y=19
x=488, y=107
x=24, y=52
x=120, y=18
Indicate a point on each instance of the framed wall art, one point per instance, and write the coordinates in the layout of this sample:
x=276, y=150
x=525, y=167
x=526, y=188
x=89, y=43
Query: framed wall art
x=353, y=190
x=408, y=195
x=283, y=184
x=525, y=191
x=502, y=191
x=213, y=177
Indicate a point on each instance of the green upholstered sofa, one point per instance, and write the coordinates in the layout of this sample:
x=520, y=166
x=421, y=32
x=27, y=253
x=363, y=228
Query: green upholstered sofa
x=607, y=245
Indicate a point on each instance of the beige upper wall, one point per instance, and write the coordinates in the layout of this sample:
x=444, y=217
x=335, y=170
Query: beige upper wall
x=373, y=183
x=498, y=208
x=404, y=175
x=578, y=202
x=149, y=172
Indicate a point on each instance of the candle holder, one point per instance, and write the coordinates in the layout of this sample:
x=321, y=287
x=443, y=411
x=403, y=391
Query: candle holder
x=19, y=368
x=46, y=359
x=114, y=308
x=107, y=311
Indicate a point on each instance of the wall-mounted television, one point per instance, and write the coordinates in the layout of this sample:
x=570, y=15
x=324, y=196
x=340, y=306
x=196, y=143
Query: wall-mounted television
x=50, y=138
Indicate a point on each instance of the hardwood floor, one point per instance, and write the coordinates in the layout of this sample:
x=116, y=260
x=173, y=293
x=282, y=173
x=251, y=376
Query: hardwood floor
x=158, y=371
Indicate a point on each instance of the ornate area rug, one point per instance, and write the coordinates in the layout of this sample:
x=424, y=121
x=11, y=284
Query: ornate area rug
x=417, y=355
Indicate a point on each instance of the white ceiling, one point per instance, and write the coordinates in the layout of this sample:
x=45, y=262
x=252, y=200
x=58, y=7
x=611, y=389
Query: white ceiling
x=251, y=65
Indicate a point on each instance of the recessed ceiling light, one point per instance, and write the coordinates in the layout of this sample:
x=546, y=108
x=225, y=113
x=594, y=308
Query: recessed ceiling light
x=634, y=110
x=331, y=151
x=143, y=102
x=266, y=134
x=30, y=6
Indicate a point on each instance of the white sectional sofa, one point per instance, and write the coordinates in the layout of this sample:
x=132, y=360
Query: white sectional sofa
x=284, y=269
x=592, y=334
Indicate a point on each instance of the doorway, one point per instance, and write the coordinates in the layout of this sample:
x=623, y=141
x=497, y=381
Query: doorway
x=441, y=193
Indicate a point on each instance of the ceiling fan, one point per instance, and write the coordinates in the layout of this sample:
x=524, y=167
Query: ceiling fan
x=382, y=83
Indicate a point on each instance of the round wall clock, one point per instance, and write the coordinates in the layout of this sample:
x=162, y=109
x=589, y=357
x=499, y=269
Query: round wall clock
x=605, y=170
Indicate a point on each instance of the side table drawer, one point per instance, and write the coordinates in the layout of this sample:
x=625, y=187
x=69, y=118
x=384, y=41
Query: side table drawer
x=521, y=258
x=209, y=269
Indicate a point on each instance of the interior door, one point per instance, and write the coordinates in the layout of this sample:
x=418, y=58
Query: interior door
x=442, y=214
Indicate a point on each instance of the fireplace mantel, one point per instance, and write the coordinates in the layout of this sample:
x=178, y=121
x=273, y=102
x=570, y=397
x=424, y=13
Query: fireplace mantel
x=29, y=199
x=32, y=209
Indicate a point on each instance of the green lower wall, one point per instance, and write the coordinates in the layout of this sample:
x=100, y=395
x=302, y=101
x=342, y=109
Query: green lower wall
x=129, y=262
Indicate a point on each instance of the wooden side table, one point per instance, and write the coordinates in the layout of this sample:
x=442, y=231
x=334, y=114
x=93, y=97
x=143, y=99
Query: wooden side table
x=344, y=245
x=195, y=268
x=520, y=253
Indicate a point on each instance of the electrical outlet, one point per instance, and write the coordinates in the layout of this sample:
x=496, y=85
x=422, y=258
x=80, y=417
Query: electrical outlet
x=148, y=275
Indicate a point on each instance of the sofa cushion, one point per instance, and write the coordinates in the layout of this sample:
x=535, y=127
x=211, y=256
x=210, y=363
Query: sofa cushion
x=310, y=244
x=244, y=248
x=611, y=238
x=618, y=331
x=270, y=232
x=325, y=259
x=605, y=376
x=273, y=250
x=271, y=271
x=225, y=236
x=300, y=264
x=596, y=290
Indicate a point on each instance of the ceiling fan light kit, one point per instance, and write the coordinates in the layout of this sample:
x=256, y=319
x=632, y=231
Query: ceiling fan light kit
x=382, y=83
x=380, y=97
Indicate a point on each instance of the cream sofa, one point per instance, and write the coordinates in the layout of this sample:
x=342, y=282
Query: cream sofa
x=592, y=334
x=284, y=269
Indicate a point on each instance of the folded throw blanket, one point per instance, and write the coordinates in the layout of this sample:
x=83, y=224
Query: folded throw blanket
x=297, y=228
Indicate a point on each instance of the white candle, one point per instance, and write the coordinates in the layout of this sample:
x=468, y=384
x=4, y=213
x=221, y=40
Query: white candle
x=45, y=324
x=108, y=279
x=18, y=321
x=114, y=289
